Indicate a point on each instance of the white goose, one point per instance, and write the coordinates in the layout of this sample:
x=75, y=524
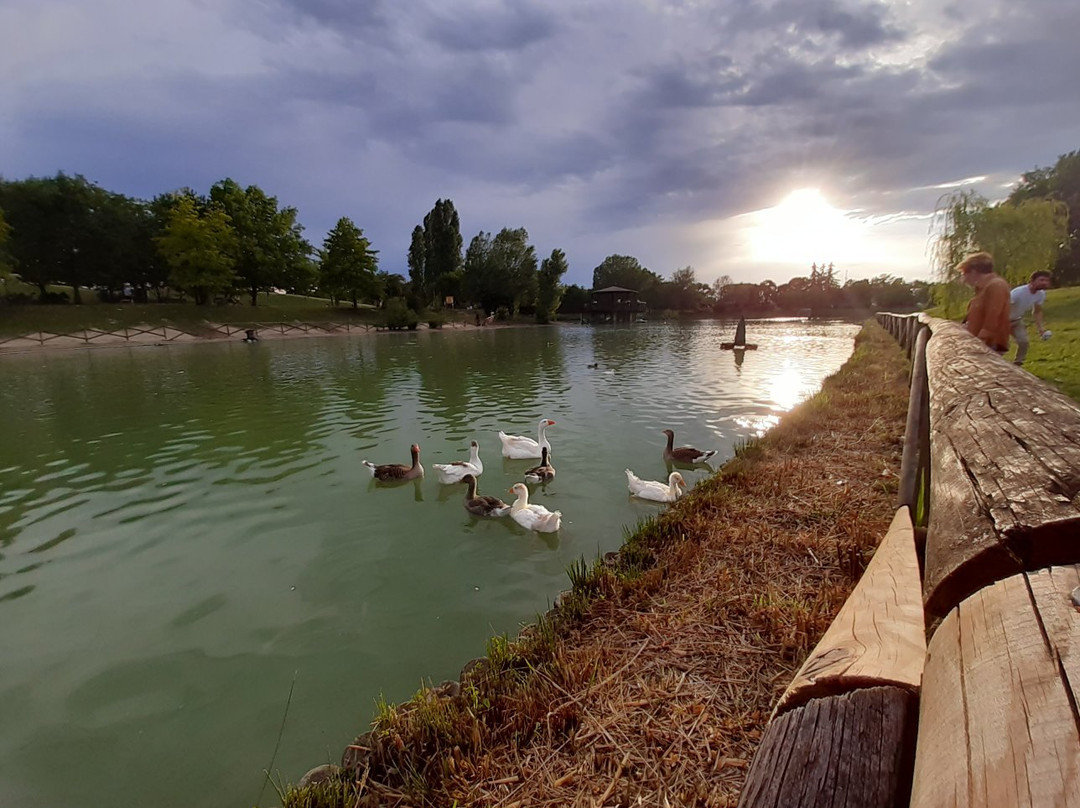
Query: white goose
x=533, y=517
x=518, y=447
x=656, y=491
x=455, y=472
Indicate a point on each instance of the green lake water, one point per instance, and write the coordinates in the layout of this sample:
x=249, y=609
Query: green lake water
x=187, y=532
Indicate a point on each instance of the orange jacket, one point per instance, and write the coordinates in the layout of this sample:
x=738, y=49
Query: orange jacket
x=988, y=313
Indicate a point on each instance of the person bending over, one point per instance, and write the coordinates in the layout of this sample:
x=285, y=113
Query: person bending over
x=1028, y=297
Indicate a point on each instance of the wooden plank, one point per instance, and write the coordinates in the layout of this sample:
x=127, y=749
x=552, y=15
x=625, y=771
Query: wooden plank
x=878, y=637
x=916, y=426
x=848, y=751
x=998, y=724
x=1005, y=477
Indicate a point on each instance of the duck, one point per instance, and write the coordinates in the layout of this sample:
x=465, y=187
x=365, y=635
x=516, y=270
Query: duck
x=684, y=454
x=482, y=506
x=518, y=447
x=544, y=473
x=455, y=472
x=533, y=517
x=394, y=472
x=656, y=491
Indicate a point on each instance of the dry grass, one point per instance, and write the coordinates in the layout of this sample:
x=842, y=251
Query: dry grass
x=652, y=680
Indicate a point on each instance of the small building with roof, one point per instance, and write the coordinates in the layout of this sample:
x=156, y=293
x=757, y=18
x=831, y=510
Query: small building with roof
x=614, y=304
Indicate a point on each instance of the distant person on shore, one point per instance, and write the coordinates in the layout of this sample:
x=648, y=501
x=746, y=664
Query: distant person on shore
x=1029, y=297
x=988, y=312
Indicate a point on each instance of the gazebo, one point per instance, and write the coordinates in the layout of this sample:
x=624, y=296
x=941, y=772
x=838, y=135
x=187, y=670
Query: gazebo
x=614, y=304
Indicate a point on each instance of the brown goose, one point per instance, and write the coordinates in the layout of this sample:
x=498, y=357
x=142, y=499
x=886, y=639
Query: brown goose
x=482, y=506
x=544, y=473
x=684, y=454
x=392, y=472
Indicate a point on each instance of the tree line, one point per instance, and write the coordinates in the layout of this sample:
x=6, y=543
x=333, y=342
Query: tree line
x=236, y=241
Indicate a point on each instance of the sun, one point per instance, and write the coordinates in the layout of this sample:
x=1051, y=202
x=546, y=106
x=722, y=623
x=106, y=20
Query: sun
x=804, y=228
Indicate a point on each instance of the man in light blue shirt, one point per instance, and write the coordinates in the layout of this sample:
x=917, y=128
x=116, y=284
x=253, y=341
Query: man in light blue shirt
x=1029, y=297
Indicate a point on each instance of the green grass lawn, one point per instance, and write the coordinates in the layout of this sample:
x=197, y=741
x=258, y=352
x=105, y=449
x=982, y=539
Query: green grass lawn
x=69, y=318
x=1057, y=360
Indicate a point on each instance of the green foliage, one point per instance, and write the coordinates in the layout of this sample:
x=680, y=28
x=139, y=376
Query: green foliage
x=199, y=248
x=435, y=255
x=5, y=262
x=397, y=315
x=1023, y=237
x=549, y=289
x=575, y=299
x=627, y=272
x=500, y=273
x=349, y=265
x=268, y=242
x=1060, y=182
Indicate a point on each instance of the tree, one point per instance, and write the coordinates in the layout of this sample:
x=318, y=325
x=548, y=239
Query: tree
x=349, y=264
x=1023, y=237
x=199, y=247
x=682, y=292
x=575, y=299
x=5, y=263
x=549, y=287
x=269, y=243
x=418, y=267
x=435, y=261
x=516, y=260
x=500, y=271
x=627, y=272
x=1061, y=182
x=391, y=284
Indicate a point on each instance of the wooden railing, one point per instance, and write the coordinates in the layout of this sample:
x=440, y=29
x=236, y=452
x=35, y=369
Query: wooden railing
x=991, y=468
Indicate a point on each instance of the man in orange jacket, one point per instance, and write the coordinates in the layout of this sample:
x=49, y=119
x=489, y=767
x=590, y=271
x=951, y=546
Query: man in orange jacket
x=988, y=311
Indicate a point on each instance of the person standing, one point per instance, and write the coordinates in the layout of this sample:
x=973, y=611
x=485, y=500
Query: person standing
x=1029, y=297
x=988, y=312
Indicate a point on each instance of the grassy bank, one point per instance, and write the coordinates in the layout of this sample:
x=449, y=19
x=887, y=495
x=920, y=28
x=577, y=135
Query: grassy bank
x=653, y=677
x=93, y=314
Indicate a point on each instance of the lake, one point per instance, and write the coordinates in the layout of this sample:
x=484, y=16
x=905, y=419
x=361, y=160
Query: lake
x=188, y=534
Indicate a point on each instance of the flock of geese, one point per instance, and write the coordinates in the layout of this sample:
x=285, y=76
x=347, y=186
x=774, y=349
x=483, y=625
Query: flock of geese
x=519, y=447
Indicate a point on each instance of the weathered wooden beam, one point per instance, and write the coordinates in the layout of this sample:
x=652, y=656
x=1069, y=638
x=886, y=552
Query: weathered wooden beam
x=911, y=461
x=1005, y=473
x=998, y=722
x=879, y=636
x=849, y=751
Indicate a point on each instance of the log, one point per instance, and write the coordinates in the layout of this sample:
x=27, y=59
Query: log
x=878, y=637
x=849, y=751
x=913, y=460
x=998, y=719
x=1005, y=470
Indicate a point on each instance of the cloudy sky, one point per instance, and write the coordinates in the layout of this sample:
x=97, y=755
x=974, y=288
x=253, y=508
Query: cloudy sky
x=742, y=138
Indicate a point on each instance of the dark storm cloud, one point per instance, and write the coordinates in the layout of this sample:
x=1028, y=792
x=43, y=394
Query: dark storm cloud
x=851, y=25
x=505, y=28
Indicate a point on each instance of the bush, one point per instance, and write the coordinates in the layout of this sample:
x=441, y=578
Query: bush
x=54, y=297
x=397, y=315
x=435, y=319
x=502, y=313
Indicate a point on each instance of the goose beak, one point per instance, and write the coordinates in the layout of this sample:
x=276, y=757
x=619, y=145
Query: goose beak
x=551, y=423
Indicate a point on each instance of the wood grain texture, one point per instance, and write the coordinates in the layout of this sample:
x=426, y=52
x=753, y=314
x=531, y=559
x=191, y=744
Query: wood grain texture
x=878, y=637
x=998, y=721
x=913, y=460
x=1005, y=476
x=849, y=751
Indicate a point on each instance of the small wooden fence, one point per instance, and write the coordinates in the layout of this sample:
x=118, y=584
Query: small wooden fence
x=161, y=334
x=983, y=558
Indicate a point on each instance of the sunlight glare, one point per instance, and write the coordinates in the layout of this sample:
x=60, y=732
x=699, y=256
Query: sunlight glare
x=805, y=228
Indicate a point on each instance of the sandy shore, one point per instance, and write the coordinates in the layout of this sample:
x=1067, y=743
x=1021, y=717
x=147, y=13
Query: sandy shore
x=157, y=335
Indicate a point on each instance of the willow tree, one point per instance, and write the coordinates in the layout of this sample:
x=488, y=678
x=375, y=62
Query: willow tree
x=1023, y=237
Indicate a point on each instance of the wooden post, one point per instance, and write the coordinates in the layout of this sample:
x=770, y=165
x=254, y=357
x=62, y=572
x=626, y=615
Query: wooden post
x=843, y=733
x=998, y=721
x=912, y=462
